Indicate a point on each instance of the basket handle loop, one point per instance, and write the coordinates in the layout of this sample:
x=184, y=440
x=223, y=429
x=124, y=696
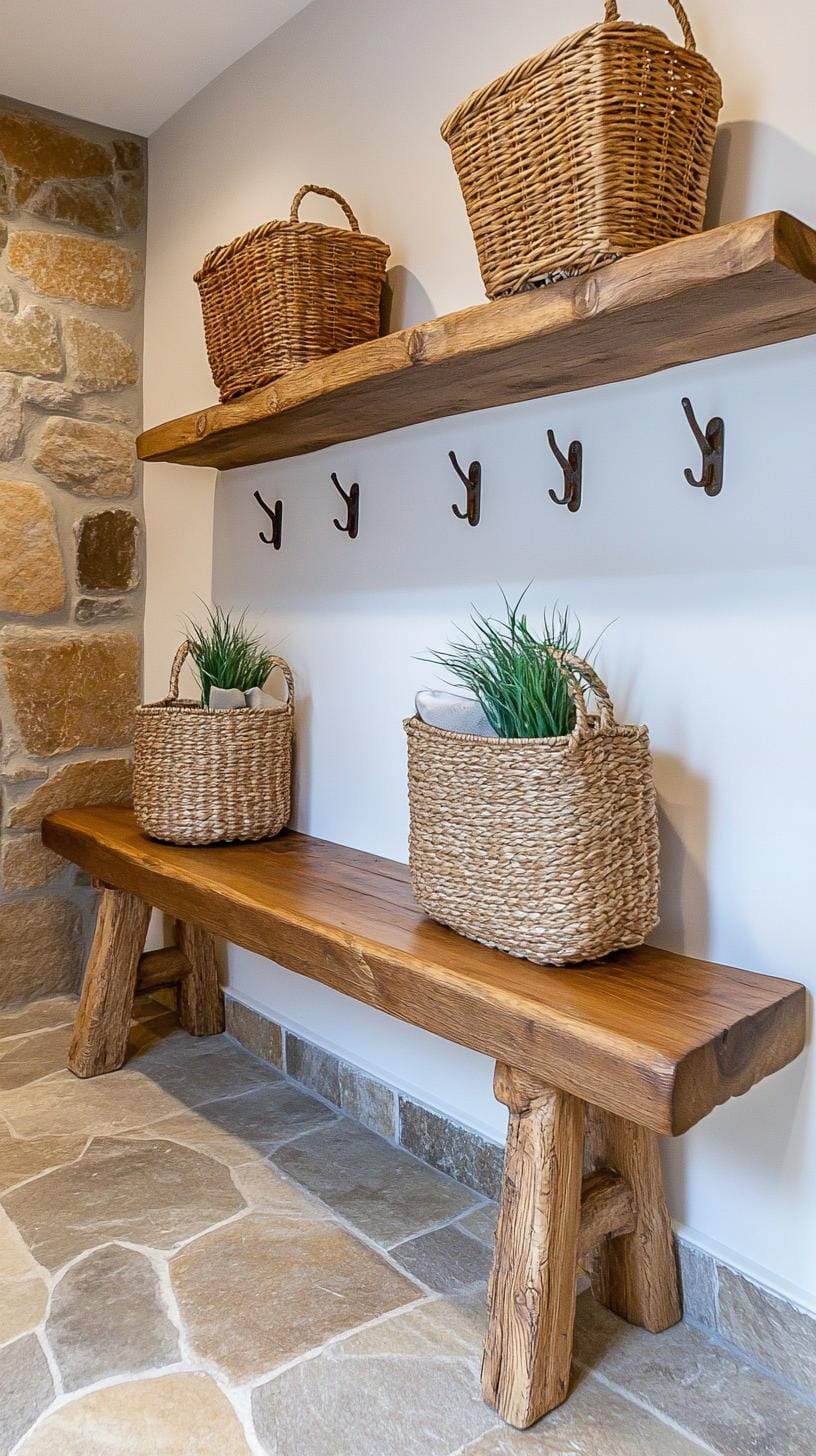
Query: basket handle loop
x=178, y=663
x=290, y=681
x=611, y=13
x=324, y=192
x=581, y=674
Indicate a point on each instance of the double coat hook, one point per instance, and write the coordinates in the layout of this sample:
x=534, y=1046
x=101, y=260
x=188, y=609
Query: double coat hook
x=712, y=449
x=276, y=517
x=473, y=485
x=352, y=500
x=572, y=465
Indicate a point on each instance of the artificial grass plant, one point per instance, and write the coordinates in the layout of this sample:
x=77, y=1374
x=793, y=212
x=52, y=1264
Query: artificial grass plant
x=226, y=654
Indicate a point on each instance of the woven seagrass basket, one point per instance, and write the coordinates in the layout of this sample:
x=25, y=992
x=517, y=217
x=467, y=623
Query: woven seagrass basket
x=287, y=293
x=598, y=147
x=542, y=847
x=203, y=775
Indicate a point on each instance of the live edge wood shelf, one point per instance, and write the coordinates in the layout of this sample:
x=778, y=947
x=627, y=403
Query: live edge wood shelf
x=592, y=1062
x=736, y=287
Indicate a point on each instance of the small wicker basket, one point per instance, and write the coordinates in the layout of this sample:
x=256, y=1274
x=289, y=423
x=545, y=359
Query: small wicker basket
x=203, y=775
x=598, y=147
x=287, y=293
x=542, y=847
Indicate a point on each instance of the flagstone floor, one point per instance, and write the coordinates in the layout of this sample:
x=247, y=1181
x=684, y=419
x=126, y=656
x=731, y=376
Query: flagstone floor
x=198, y=1258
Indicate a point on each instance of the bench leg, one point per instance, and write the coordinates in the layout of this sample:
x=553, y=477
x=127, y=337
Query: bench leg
x=635, y=1274
x=531, y=1295
x=200, y=1002
x=101, y=1029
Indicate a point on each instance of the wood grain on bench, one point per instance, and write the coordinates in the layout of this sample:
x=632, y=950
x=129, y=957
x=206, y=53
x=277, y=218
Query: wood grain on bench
x=657, y=1038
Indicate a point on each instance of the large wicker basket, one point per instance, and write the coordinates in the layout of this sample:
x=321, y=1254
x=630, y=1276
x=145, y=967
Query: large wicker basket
x=202, y=775
x=542, y=847
x=598, y=147
x=287, y=293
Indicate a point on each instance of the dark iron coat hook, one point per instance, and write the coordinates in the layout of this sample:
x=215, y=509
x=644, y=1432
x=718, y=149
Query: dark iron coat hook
x=473, y=485
x=572, y=465
x=712, y=448
x=352, y=500
x=276, y=517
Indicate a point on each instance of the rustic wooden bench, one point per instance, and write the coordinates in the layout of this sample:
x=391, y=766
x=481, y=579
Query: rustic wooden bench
x=593, y=1063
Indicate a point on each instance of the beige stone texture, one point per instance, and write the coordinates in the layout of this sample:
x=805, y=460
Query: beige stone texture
x=267, y=1191
x=446, y=1259
x=7, y=301
x=71, y=690
x=15, y=1259
x=481, y=1223
x=257, y=1292
x=39, y=150
x=101, y=274
x=94, y=781
x=385, y=1192
x=65, y=1105
x=107, y=1318
x=373, y=1407
x=98, y=358
x=40, y=948
x=155, y=1193
x=48, y=394
x=452, y=1326
x=23, y=1158
x=771, y=1330
x=26, y=864
x=26, y=1388
x=27, y=1059
x=22, y=1306
x=88, y=458
x=237, y=1129
x=103, y=609
x=90, y=205
x=37, y=1016
x=29, y=342
x=32, y=579
x=262, y=1037
x=11, y=419
x=174, y=1415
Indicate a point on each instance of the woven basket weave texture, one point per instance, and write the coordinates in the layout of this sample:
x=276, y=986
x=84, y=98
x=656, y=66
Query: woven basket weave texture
x=203, y=775
x=546, y=848
x=287, y=293
x=597, y=148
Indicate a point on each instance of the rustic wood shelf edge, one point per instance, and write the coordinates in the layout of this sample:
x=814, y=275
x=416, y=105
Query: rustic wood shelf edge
x=736, y=287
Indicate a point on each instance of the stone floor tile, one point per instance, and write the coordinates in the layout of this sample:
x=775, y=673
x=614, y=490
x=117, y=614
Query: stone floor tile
x=32, y=1057
x=22, y=1306
x=451, y=1326
x=698, y=1280
x=262, y=1037
x=98, y=1106
x=385, y=1192
x=155, y=1193
x=314, y=1067
x=453, y=1149
x=685, y=1375
x=171, y=1415
x=22, y=1158
x=38, y=1016
x=259, y=1292
x=237, y=1129
x=445, y=1259
x=267, y=1191
x=15, y=1258
x=481, y=1223
x=107, y=1318
x=593, y=1421
x=369, y=1101
x=371, y=1406
x=197, y=1069
x=26, y=1388
x=776, y=1333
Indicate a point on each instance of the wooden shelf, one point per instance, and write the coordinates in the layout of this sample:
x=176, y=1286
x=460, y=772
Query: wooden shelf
x=737, y=287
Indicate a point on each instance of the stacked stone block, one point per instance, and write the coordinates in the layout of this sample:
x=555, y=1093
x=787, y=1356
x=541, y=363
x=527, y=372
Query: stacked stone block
x=72, y=201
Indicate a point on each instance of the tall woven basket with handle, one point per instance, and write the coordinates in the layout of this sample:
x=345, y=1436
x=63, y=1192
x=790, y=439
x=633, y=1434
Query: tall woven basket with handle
x=542, y=847
x=202, y=775
x=598, y=147
x=287, y=293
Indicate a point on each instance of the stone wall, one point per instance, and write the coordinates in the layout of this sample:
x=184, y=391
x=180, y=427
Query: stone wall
x=72, y=199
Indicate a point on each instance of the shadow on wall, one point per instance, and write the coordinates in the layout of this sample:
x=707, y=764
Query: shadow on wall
x=405, y=302
x=683, y=815
x=752, y=161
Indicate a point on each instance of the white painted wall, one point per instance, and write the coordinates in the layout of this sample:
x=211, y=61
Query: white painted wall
x=712, y=603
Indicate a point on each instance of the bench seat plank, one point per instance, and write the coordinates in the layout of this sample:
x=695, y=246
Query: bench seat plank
x=654, y=1037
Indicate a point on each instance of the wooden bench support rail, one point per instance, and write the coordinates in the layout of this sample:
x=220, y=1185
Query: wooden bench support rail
x=159, y=969
x=607, y=1210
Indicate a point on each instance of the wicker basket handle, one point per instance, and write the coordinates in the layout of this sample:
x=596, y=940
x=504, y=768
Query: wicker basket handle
x=611, y=14
x=582, y=670
x=324, y=192
x=186, y=648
